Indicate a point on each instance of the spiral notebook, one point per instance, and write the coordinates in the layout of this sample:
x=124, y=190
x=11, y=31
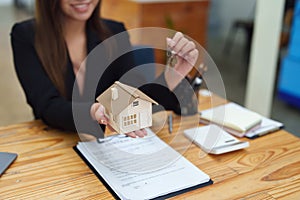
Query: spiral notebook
x=141, y=168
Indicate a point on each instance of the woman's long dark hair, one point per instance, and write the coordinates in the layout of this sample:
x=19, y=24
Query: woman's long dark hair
x=49, y=39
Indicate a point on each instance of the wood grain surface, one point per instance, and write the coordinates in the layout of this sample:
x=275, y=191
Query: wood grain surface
x=47, y=167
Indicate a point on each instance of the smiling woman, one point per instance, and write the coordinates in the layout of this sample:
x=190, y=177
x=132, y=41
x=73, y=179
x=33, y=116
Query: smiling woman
x=49, y=55
x=78, y=10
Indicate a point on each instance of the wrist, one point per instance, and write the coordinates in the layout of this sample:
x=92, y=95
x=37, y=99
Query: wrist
x=173, y=78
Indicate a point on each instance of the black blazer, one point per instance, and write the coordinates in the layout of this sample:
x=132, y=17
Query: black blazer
x=44, y=98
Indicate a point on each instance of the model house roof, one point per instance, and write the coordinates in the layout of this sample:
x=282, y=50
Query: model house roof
x=118, y=96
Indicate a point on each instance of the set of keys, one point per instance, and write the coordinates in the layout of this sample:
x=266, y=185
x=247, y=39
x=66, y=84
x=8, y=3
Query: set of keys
x=172, y=60
x=171, y=55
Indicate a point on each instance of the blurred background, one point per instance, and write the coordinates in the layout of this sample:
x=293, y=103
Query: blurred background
x=225, y=28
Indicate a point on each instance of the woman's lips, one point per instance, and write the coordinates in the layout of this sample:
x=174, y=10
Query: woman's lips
x=81, y=7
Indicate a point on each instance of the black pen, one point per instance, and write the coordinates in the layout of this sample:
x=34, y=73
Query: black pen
x=170, y=122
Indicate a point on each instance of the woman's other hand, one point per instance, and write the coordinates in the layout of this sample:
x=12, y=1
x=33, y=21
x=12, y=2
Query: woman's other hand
x=186, y=57
x=139, y=133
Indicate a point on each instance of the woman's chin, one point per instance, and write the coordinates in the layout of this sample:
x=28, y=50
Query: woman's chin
x=80, y=17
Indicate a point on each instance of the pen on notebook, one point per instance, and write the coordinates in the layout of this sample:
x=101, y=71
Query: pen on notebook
x=267, y=131
x=262, y=131
x=170, y=122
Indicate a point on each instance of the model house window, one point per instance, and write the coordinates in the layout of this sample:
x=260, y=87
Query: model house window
x=129, y=120
x=135, y=103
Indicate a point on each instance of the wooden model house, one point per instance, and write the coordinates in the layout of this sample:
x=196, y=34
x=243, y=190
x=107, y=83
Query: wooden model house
x=127, y=108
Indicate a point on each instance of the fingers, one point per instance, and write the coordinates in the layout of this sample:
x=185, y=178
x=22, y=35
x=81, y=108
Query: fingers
x=192, y=57
x=172, y=43
x=187, y=48
x=183, y=48
x=97, y=113
x=179, y=47
x=177, y=37
x=139, y=133
x=131, y=134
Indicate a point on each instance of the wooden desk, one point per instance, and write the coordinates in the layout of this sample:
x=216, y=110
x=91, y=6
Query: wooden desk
x=48, y=167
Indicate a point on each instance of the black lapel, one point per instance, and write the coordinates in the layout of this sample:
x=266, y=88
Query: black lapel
x=92, y=39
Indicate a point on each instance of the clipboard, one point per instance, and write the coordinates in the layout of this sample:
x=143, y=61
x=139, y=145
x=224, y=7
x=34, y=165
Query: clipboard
x=117, y=195
x=6, y=159
x=210, y=182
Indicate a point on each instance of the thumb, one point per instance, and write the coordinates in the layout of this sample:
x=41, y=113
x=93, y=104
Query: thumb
x=99, y=115
x=170, y=42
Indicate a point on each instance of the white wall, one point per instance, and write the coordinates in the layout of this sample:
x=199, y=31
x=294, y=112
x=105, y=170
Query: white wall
x=264, y=56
